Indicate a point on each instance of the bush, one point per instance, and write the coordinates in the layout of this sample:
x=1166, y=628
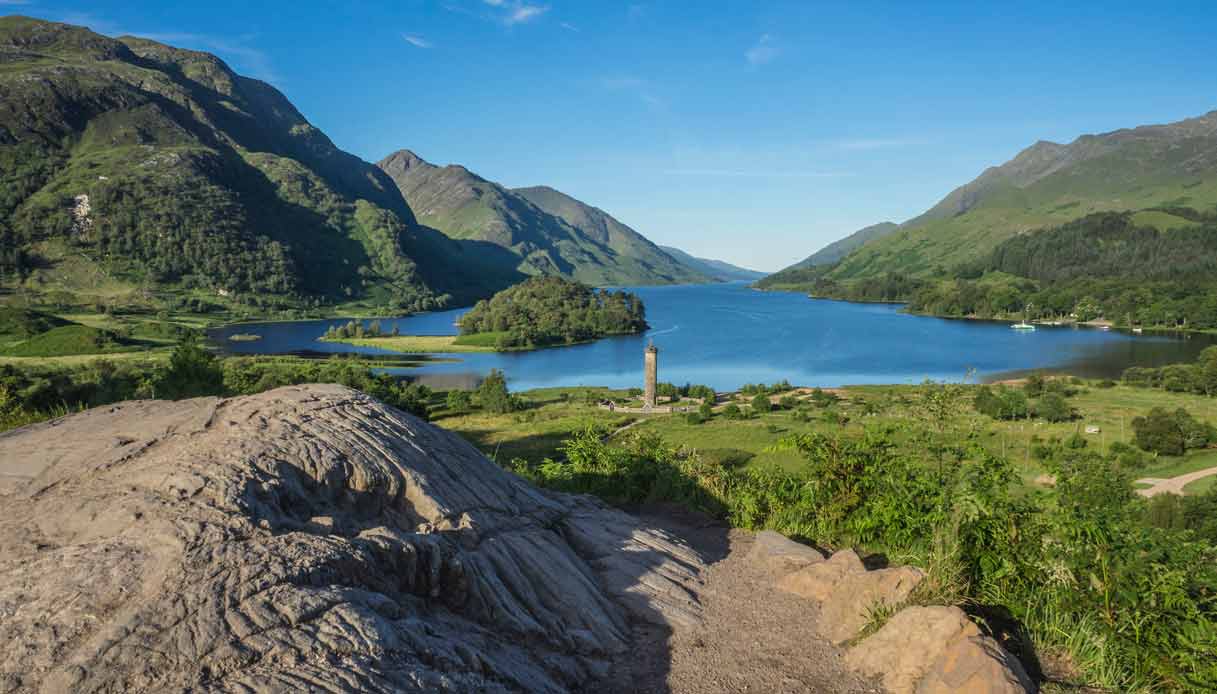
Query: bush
x=1144, y=377
x=822, y=398
x=1087, y=572
x=705, y=410
x=1034, y=387
x=694, y=418
x=1158, y=432
x=459, y=400
x=192, y=372
x=1002, y=403
x=1182, y=378
x=761, y=403
x=1054, y=408
x=733, y=411
x=788, y=402
x=493, y=396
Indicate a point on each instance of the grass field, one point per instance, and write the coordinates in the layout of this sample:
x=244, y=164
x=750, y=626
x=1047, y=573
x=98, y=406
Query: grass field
x=415, y=344
x=554, y=414
x=551, y=415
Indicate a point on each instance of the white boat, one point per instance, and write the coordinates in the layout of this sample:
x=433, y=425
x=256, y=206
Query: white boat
x=1023, y=326
x=1137, y=330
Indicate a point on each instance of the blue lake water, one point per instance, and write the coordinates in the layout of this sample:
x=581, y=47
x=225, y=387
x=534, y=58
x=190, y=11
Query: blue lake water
x=725, y=335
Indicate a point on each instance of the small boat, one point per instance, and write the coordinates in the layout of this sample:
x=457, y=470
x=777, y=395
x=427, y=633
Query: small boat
x=1138, y=331
x=1024, y=325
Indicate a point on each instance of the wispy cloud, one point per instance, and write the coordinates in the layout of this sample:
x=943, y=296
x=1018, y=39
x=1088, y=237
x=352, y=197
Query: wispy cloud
x=763, y=51
x=416, y=40
x=879, y=143
x=14, y=2
x=750, y=173
x=569, y=27
x=512, y=12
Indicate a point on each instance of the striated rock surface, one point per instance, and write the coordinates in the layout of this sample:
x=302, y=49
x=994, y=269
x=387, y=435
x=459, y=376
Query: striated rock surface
x=308, y=539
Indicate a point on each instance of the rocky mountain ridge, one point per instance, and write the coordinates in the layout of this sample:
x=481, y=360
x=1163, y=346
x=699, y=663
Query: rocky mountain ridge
x=549, y=232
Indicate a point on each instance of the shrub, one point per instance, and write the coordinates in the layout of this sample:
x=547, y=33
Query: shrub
x=705, y=410
x=1182, y=378
x=192, y=372
x=822, y=398
x=694, y=418
x=1144, y=377
x=761, y=403
x=493, y=396
x=1002, y=403
x=1034, y=387
x=1158, y=432
x=733, y=411
x=1054, y=408
x=788, y=402
x=459, y=400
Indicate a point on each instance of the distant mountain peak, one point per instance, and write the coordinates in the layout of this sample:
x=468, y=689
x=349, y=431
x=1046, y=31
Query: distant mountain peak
x=550, y=232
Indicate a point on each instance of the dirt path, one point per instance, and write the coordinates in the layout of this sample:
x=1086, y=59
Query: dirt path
x=753, y=638
x=1172, y=485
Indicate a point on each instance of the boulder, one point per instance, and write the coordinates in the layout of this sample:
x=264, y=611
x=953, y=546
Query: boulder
x=934, y=650
x=978, y=665
x=818, y=581
x=848, y=607
x=308, y=539
x=779, y=555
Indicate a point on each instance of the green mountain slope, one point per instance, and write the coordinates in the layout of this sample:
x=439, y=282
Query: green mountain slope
x=714, y=269
x=129, y=168
x=1048, y=184
x=548, y=233
x=839, y=249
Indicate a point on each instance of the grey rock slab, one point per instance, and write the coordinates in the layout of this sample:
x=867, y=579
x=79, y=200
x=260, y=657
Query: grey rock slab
x=308, y=538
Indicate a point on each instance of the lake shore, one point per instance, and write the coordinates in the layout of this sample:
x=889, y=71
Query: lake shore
x=413, y=344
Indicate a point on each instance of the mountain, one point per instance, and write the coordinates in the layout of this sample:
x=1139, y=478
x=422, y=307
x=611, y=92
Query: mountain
x=548, y=232
x=129, y=169
x=839, y=249
x=1048, y=184
x=714, y=269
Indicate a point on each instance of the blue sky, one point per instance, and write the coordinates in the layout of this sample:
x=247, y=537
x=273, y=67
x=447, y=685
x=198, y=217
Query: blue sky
x=751, y=131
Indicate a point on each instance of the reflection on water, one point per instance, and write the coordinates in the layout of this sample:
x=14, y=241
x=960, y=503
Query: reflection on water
x=725, y=335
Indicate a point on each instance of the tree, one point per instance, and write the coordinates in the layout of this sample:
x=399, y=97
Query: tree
x=192, y=372
x=493, y=396
x=733, y=411
x=1054, y=408
x=706, y=410
x=1158, y=432
x=459, y=400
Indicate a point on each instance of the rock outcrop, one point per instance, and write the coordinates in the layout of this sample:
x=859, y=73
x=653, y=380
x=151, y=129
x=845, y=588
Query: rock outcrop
x=308, y=538
x=919, y=650
x=934, y=650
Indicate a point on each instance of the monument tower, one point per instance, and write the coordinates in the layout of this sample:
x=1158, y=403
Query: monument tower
x=651, y=366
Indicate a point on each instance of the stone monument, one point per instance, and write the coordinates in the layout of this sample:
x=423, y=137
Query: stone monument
x=651, y=366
